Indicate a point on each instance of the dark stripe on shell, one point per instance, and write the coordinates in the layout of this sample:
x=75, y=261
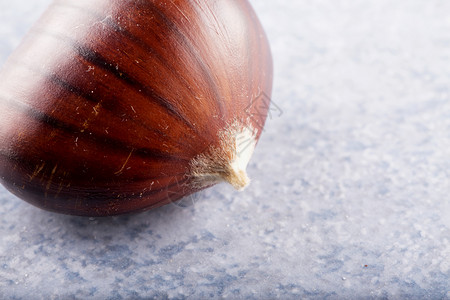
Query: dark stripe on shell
x=92, y=98
x=184, y=40
x=113, y=143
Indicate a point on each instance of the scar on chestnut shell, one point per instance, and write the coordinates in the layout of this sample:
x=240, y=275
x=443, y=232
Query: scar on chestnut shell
x=110, y=107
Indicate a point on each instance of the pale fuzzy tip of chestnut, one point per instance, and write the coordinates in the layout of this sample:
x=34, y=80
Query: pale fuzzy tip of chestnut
x=228, y=162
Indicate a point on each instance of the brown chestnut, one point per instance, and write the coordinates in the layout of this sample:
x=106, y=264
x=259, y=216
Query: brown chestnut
x=109, y=107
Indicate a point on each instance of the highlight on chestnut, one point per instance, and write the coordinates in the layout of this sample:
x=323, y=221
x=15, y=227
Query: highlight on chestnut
x=107, y=107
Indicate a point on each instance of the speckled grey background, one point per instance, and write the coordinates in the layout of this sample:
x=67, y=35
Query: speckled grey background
x=350, y=192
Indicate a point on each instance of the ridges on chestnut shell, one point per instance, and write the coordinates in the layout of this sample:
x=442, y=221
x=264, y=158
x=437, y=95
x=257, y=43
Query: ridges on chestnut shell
x=109, y=107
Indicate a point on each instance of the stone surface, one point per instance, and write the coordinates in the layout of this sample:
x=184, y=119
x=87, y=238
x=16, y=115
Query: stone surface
x=350, y=191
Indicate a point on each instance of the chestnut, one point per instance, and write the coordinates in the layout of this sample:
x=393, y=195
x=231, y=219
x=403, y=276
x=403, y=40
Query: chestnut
x=110, y=107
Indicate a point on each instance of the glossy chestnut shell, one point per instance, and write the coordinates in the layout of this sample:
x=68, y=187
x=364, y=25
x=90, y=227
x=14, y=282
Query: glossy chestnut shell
x=106, y=103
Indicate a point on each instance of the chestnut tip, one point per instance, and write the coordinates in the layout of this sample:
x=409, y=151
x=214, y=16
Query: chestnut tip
x=237, y=178
x=227, y=162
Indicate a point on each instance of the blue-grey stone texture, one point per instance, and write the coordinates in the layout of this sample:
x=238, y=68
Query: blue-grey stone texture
x=350, y=192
